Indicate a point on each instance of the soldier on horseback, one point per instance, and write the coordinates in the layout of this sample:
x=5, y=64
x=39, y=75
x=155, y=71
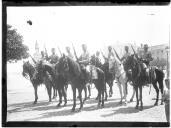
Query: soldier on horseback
x=146, y=57
x=53, y=59
x=69, y=52
x=37, y=57
x=110, y=58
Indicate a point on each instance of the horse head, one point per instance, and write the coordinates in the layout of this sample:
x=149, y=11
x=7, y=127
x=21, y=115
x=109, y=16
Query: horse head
x=27, y=69
x=62, y=65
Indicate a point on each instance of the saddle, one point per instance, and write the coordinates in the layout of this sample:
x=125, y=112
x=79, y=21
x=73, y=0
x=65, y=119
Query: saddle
x=149, y=72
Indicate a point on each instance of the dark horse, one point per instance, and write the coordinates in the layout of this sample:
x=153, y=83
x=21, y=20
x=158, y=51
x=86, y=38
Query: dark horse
x=41, y=78
x=77, y=76
x=109, y=77
x=139, y=78
x=59, y=81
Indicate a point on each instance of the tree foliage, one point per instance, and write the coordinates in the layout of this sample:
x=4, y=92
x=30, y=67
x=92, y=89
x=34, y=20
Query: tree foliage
x=16, y=50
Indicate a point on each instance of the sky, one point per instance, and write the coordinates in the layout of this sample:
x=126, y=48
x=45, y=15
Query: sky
x=96, y=26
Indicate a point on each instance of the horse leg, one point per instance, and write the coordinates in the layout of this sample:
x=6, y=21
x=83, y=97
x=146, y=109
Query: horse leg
x=105, y=90
x=85, y=90
x=157, y=91
x=49, y=89
x=99, y=97
x=80, y=97
x=133, y=94
x=60, y=98
x=35, y=93
x=65, y=95
x=161, y=89
x=110, y=89
x=53, y=93
x=120, y=90
x=74, y=98
x=136, y=90
x=141, y=108
x=125, y=91
x=89, y=90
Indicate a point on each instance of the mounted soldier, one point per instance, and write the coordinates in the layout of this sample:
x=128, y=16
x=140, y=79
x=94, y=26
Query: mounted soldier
x=53, y=59
x=146, y=57
x=95, y=60
x=69, y=54
x=37, y=57
x=110, y=58
x=126, y=54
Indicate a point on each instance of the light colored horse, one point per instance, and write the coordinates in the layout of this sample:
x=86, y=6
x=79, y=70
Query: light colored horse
x=116, y=66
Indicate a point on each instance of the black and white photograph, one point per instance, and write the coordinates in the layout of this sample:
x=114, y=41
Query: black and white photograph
x=87, y=64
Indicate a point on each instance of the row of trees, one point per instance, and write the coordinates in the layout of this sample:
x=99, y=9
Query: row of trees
x=16, y=50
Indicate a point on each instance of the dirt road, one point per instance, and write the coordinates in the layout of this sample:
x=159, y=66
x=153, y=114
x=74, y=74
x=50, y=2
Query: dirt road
x=20, y=96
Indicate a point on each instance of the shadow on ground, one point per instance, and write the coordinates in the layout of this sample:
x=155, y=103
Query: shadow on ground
x=126, y=110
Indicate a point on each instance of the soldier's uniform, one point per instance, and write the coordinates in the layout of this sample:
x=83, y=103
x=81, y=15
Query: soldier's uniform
x=53, y=59
x=110, y=60
x=146, y=57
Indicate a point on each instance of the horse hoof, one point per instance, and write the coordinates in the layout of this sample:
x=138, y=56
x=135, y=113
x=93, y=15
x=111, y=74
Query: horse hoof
x=141, y=108
x=110, y=95
x=96, y=98
x=120, y=102
x=59, y=105
x=105, y=99
x=88, y=97
x=155, y=104
x=161, y=103
x=102, y=105
x=73, y=110
x=136, y=107
x=35, y=102
x=131, y=100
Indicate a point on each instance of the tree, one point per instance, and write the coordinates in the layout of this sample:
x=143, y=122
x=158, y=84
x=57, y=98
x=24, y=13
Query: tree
x=16, y=50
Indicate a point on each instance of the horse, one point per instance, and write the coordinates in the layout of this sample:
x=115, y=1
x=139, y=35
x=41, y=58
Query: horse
x=109, y=77
x=59, y=81
x=116, y=67
x=139, y=78
x=77, y=76
x=28, y=70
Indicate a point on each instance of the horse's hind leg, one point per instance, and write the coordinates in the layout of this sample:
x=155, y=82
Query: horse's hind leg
x=99, y=97
x=161, y=89
x=105, y=90
x=157, y=91
x=35, y=93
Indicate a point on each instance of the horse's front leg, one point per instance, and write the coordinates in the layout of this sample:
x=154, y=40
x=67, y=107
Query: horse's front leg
x=80, y=97
x=141, y=108
x=35, y=93
x=99, y=97
x=110, y=88
x=89, y=90
x=74, y=98
x=49, y=89
x=133, y=94
x=120, y=90
x=125, y=92
x=136, y=90
x=60, y=98
x=64, y=93
x=85, y=90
